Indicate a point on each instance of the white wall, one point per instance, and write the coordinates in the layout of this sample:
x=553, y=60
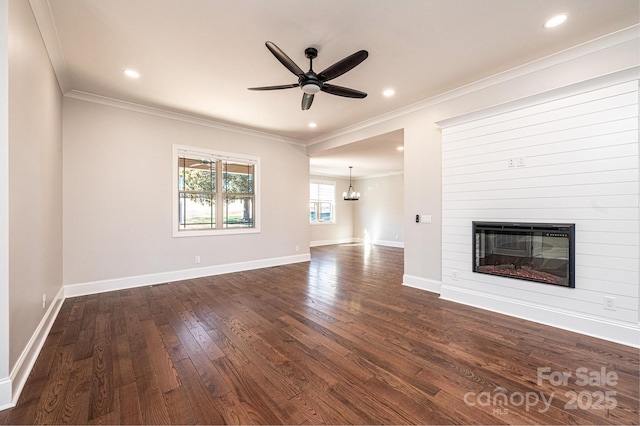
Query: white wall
x=422, y=137
x=342, y=230
x=576, y=161
x=377, y=216
x=35, y=189
x=118, y=200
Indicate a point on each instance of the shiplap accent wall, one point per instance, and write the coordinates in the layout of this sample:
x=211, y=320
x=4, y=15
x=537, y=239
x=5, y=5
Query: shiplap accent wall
x=567, y=159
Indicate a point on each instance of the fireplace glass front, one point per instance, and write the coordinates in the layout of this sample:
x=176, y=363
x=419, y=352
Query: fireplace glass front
x=528, y=251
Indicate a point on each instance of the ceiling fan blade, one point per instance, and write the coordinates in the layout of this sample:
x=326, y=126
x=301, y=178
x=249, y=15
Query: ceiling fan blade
x=284, y=86
x=284, y=59
x=344, y=65
x=307, y=100
x=343, y=91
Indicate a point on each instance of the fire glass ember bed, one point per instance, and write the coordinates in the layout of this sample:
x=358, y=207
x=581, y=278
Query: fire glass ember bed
x=537, y=252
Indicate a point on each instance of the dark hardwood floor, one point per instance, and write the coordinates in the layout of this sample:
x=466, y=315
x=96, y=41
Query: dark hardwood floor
x=338, y=340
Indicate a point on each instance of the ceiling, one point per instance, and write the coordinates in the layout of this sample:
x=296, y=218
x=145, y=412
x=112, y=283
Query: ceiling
x=377, y=156
x=198, y=57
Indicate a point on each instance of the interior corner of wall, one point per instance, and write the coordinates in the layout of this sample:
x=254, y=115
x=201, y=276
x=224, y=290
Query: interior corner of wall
x=11, y=387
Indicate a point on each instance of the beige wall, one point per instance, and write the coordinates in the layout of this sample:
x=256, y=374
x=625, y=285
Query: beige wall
x=379, y=212
x=376, y=218
x=342, y=230
x=35, y=179
x=5, y=384
x=118, y=195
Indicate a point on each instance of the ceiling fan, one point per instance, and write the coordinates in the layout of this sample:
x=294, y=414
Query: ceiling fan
x=311, y=82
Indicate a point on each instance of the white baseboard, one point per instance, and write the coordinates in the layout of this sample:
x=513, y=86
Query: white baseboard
x=6, y=401
x=74, y=290
x=356, y=240
x=387, y=243
x=319, y=243
x=421, y=283
x=613, y=331
x=11, y=386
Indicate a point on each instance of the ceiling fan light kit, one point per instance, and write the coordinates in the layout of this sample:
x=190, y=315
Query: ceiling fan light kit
x=311, y=82
x=310, y=88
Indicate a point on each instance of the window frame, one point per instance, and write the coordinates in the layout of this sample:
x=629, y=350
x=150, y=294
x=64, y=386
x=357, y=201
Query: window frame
x=319, y=202
x=209, y=154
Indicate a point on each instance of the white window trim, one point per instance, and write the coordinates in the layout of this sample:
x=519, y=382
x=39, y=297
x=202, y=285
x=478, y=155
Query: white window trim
x=321, y=223
x=178, y=149
x=335, y=204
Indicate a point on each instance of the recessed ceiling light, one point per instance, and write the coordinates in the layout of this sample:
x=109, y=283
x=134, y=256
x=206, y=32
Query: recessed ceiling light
x=400, y=148
x=555, y=21
x=313, y=125
x=131, y=73
x=389, y=92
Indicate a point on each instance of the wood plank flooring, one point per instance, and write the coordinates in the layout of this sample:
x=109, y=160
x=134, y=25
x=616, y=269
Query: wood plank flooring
x=338, y=340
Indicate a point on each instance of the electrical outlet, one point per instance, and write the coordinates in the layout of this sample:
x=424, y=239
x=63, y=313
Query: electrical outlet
x=44, y=301
x=197, y=259
x=454, y=275
x=297, y=248
x=511, y=162
x=610, y=303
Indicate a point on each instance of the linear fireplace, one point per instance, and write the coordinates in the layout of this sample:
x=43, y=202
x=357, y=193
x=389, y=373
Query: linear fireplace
x=537, y=252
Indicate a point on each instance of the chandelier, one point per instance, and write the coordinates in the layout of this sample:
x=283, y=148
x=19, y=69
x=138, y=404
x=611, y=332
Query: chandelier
x=351, y=194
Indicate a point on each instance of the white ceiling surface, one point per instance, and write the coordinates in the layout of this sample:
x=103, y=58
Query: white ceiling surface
x=377, y=156
x=198, y=57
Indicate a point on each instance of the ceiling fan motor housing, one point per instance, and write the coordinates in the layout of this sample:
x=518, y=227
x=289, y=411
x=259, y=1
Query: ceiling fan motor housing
x=310, y=83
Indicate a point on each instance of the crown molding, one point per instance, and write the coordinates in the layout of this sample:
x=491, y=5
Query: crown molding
x=380, y=175
x=628, y=74
x=589, y=47
x=373, y=176
x=192, y=119
x=49, y=34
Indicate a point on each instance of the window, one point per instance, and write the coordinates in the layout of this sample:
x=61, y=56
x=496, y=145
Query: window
x=215, y=192
x=322, y=202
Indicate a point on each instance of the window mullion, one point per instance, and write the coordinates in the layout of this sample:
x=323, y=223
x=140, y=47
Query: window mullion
x=182, y=219
x=212, y=188
x=219, y=196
